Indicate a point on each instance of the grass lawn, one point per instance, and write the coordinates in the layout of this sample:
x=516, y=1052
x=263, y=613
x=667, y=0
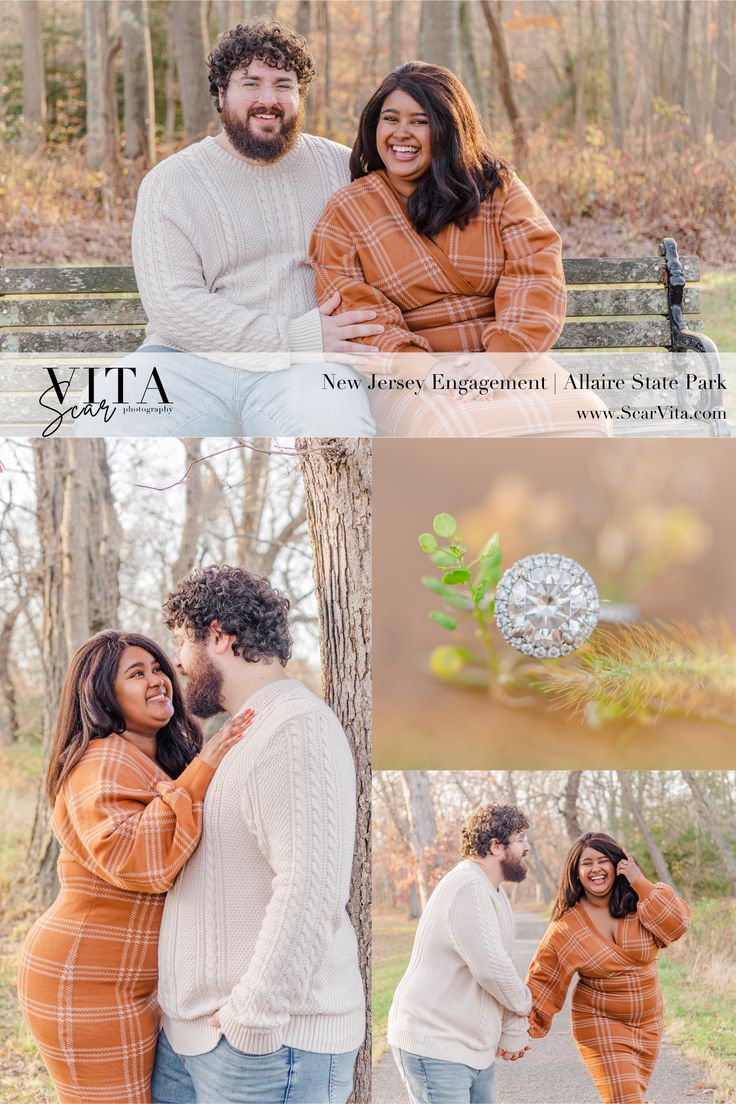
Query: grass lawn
x=393, y=936
x=718, y=304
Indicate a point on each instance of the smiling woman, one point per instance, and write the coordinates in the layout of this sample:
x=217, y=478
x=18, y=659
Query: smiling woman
x=127, y=777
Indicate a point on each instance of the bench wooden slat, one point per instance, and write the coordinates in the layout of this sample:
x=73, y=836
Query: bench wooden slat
x=634, y=270
x=111, y=278
x=48, y=281
x=636, y=333
x=41, y=313
x=623, y=301
x=70, y=340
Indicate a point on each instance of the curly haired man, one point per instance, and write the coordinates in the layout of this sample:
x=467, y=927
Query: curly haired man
x=258, y=963
x=461, y=1003
x=220, y=244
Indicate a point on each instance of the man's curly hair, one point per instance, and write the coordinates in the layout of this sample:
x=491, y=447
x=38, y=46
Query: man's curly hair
x=490, y=822
x=246, y=606
x=268, y=42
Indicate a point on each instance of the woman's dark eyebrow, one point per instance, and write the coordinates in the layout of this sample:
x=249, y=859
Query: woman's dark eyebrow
x=140, y=663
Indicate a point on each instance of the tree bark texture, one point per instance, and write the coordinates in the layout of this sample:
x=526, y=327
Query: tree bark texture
x=422, y=825
x=439, y=33
x=572, y=789
x=188, y=25
x=506, y=88
x=336, y=473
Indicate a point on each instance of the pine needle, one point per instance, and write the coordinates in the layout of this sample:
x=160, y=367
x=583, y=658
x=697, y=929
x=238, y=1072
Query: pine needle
x=650, y=671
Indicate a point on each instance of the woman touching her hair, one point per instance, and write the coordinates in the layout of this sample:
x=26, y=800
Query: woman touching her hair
x=127, y=777
x=608, y=925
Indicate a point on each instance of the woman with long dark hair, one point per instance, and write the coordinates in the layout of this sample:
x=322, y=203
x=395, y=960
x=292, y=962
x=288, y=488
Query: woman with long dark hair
x=608, y=924
x=441, y=239
x=127, y=777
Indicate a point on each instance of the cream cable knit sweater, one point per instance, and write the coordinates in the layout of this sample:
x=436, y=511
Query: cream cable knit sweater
x=220, y=251
x=256, y=925
x=461, y=997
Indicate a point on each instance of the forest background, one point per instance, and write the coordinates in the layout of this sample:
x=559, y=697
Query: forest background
x=619, y=114
x=679, y=825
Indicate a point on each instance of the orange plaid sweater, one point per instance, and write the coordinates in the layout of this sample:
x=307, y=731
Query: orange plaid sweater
x=496, y=286
x=616, y=1005
x=88, y=969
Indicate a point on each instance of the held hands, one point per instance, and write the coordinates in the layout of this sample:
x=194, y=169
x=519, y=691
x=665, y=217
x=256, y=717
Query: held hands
x=214, y=750
x=339, y=329
x=628, y=868
x=214, y=1020
x=511, y=1056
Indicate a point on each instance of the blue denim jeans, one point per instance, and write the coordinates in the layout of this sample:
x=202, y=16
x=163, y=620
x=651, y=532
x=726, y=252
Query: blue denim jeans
x=227, y=1076
x=433, y=1081
x=214, y=400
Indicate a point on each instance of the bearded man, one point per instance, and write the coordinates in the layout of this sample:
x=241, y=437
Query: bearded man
x=258, y=962
x=220, y=244
x=461, y=1003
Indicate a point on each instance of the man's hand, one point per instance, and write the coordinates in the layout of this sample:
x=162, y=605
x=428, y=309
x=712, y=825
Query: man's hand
x=338, y=329
x=214, y=1020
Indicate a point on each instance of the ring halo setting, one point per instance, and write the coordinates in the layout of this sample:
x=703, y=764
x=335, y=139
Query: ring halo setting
x=546, y=605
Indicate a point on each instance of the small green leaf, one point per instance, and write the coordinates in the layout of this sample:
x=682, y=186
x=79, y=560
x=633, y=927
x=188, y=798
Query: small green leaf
x=456, y=577
x=492, y=545
x=443, y=558
x=480, y=589
x=443, y=619
x=444, y=525
x=457, y=601
x=427, y=543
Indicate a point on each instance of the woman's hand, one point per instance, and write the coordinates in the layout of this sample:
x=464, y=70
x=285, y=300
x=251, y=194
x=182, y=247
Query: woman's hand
x=215, y=750
x=511, y=1056
x=628, y=868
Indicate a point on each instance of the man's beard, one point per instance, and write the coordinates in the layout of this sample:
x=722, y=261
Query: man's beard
x=203, y=690
x=513, y=871
x=269, y=149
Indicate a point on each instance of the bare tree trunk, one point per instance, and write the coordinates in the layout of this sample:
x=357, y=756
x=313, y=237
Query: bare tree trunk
x=723, y=107
x=33, y=119
x=396, y=20
x=663, y=873
x=327, y=120
x=439, y=33
x=337, y=474
x=95, y=44
x=170, y=84
x=470, y=70
x=79, y=541
x=8, y=702
x=139, y=119
x=255, y=466
x=422, y=825
x=572, y=789
x=581, y=67
x=614, y=88
x=190, y=45
x=682, y=72
x=192, y=527
x=503, y=64
x=708, y=817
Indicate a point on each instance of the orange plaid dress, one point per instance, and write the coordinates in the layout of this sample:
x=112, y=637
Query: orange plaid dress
x=496, y=286
x=88, y=968
x=617, y=1004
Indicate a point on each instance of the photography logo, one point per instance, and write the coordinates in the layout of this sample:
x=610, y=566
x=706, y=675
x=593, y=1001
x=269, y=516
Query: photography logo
x=102, y=393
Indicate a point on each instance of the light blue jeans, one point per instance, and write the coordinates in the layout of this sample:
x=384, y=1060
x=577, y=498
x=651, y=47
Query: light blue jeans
x=433, y=1081
x=206, y=399
x=227, y=1076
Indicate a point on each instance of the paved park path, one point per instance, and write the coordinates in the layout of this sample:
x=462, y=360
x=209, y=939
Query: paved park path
x=552, y=1072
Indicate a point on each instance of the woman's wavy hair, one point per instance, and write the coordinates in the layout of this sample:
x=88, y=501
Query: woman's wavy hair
x=464, y=169
x=623, y=899
x=88, y=709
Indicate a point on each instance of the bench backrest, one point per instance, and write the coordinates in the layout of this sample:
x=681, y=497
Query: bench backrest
x=612, y=304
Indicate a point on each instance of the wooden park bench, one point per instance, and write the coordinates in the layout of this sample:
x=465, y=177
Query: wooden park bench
x=617, y=311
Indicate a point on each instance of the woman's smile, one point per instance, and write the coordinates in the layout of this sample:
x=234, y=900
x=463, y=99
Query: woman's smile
x=402, y=140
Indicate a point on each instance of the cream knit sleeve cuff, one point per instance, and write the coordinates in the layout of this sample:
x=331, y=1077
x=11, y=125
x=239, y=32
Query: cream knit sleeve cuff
x=304, y=334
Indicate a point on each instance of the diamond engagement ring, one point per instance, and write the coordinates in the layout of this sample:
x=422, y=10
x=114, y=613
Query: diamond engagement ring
x=548, y=605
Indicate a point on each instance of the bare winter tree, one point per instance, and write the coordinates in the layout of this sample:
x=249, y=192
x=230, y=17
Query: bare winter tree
x=706, y=814
x=503, y=65
x=190, y=38
x=422, y=825
x=570, y=810
x=33, y=120
x=336, y=473
x=139, y=121
x=79, y=542
x=658, y=859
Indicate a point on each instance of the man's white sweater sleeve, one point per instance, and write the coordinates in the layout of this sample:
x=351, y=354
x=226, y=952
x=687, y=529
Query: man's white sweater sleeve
x=308, y=844
x=475, y=934
x=183, y=311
